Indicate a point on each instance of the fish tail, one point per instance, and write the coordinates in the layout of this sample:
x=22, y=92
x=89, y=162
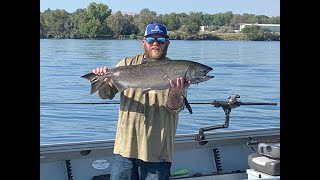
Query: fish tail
x=89, y=76
x=96, y=82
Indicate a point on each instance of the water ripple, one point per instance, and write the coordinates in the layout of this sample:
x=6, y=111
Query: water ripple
x=250, y=69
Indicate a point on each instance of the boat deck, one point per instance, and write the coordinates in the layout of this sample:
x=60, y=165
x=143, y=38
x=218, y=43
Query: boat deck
x=224, y=156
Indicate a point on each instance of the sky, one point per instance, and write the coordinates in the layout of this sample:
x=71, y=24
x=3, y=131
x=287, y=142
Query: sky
x=257, y=7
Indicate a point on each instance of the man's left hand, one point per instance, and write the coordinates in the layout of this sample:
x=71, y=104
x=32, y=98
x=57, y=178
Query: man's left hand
x=180, y=85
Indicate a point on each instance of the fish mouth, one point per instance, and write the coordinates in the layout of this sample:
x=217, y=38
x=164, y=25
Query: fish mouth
x=207, y=71
x=201, y=79
x=203, y=76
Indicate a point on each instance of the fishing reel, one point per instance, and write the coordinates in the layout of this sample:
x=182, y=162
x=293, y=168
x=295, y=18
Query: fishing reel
x=231, y=103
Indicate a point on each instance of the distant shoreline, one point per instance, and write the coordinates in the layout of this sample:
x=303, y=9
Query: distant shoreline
x=175, y=36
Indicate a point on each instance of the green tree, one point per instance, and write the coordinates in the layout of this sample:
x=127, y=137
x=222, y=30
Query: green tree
x=222, y=19
x=183, y=18
x=130, y=27
x=78, y=18
x=196, y=18
x=98, y=11
x=192, y=28
x=56, y=23
x=97, y=14
x=256, y=33
x=207, y=20
x=145, y=17
x=252, y=32
x=274, y=20
x=116, y=23
x=236, y=19
x=42, y=27
x=92, y=29
x=262, y=19
x=172, y=21
x=250, y=18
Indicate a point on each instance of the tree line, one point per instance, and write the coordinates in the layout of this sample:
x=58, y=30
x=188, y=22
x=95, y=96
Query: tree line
x=97, y=21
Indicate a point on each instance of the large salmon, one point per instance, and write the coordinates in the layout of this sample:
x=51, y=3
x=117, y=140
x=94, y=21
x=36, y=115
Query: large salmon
x=151, y=75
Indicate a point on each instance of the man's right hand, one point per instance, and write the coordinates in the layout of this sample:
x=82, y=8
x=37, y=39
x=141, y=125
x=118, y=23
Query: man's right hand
x=100, y=71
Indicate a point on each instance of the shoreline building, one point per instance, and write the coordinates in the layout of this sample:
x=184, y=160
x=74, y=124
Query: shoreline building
x=272, y=27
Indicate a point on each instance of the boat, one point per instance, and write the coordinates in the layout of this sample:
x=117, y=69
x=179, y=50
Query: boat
x=224, y=155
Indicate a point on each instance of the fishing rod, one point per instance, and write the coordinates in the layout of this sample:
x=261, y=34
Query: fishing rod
x=187, y=104
x=106, y=103
x=231, y=103
x=211, y=103
x=79, y=103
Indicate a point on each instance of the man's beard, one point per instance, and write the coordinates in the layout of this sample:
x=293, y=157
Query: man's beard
x=159, y=56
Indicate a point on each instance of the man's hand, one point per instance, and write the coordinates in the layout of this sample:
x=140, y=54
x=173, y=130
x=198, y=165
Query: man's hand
x=180, y=85
x=177, y=89
x=100, y=71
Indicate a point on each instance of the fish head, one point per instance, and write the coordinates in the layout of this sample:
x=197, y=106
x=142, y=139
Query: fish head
x=197, y=73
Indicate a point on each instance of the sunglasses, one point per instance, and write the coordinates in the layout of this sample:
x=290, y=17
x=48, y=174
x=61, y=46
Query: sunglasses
x=160, y=40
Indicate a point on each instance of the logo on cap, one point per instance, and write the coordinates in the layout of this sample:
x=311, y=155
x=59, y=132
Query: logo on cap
x=157, y=29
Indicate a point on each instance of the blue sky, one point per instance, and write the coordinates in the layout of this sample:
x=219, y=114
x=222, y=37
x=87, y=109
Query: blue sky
x=257, y=7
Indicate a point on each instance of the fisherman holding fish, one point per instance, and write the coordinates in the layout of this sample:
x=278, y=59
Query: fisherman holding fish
x=148, y=119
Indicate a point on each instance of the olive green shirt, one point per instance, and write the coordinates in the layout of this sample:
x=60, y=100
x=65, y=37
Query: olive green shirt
x=146, y=126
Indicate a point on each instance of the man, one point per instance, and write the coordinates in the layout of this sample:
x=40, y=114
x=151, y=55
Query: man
x=147, y=124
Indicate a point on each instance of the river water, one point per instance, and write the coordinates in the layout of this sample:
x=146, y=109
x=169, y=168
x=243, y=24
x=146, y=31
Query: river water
x=250, y=69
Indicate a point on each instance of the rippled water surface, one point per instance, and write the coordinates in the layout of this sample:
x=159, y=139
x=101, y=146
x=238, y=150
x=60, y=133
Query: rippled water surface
x=250, y=69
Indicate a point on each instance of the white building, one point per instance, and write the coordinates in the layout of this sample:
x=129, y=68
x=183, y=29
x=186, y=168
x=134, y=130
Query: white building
x=272, y=27
x=204, y=28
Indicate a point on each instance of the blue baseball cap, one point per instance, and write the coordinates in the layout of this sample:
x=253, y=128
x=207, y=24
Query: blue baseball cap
x=156, y=28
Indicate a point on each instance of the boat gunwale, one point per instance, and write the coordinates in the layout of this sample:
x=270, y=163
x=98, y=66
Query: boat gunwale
x=181, y=138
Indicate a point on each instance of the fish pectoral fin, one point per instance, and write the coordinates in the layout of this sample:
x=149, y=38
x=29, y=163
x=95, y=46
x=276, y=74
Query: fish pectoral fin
x=95, y=85
x=144, y=91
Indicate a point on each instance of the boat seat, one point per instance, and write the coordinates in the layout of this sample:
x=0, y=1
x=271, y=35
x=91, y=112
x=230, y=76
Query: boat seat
x=271, y=150
x=267, y=159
